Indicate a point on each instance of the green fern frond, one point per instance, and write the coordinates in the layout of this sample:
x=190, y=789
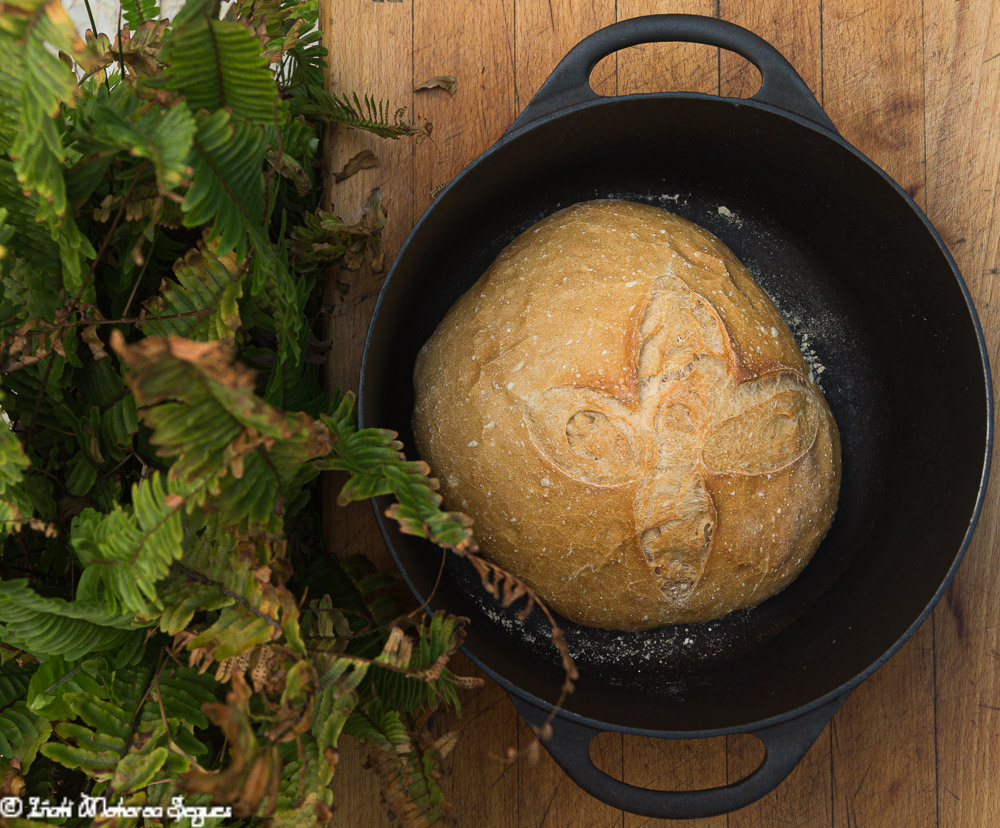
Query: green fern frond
x=287, y=292
x=141, y=731
x=125, y=553
x=137, y=12
x=185, y=592
x=29, y=290
x=56, y=677
x=163, y=135
x=50, y=627
x=365, y=113
x=47, y=85
x=14, y=505
x=369, y=599
x=217, y=574
x=305, y=796
x=217, y=64
x=227, y=191
x=22, y=731
x=244, y=454
x=376, y=466
x=409, y=769
x=335, y=701
x=14, y=681
x=202, y=302
x=10, y=90
x=436, y=643
x=28, y=240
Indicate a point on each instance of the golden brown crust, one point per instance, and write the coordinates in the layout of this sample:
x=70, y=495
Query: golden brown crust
x=629, y=421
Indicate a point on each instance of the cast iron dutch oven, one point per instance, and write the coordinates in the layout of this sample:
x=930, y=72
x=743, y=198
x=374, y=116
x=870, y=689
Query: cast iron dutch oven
x=877, y=302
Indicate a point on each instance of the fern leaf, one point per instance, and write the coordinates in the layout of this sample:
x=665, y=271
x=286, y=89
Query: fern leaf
x=362, y=113
x=376, y=466
x=408, y=769
x=164, y=135
x=182, y=595
x=202, y=303
x=14, y=681
x=217, y=573
x=29, y=291
x=251, y=782
x=14, y=505
x=22, y=731
x=50, y=627
x=427, y=680
x=324, y=238
x=270, y=275
x=137, y=12
x=204, y=413
x=125, y=553
x=132, y=737
x=10, y=94
x=304, y=798
x=184, y=693
x=335, y=701
x=47, y=85
x=368, y=598
x=120, y=422
x=227, y=190
x=56, y=677
x=28, y=239
x=217, y=64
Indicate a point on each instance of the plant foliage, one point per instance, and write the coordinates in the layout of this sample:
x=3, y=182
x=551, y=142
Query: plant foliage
x=169, y=625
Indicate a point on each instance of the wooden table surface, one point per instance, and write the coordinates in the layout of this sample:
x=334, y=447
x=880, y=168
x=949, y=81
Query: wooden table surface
x=915, y=84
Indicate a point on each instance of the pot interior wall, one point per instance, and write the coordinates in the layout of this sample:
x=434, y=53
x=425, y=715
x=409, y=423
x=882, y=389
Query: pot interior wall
x=860, y=278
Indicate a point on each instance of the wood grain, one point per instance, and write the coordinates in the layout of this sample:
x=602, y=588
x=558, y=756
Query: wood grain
x=481, y=785
x=915, y=84
x=547, y=31
x=667, y=67
x=475, y=43
x=962, y=41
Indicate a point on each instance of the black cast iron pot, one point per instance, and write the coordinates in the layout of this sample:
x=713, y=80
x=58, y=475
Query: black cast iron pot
x=875, y=298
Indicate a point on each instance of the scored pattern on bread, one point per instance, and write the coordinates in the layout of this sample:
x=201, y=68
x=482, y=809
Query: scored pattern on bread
x=628, y=420
x=691, y=420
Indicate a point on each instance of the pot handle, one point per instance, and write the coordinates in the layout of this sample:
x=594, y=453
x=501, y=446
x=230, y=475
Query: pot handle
x=569, y=82
x=785, y=744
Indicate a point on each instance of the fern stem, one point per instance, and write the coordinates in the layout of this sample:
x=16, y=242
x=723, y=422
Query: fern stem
x=111, y=231
x=90, y=16
x=137, y=719
x=121, y=54
x=142, y=272
x=86, y=283
x=134, y=320
x=198, y=578
x=93, y=28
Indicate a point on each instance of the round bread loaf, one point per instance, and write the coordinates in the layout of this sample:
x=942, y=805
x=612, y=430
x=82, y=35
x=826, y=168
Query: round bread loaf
x=628, y=420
